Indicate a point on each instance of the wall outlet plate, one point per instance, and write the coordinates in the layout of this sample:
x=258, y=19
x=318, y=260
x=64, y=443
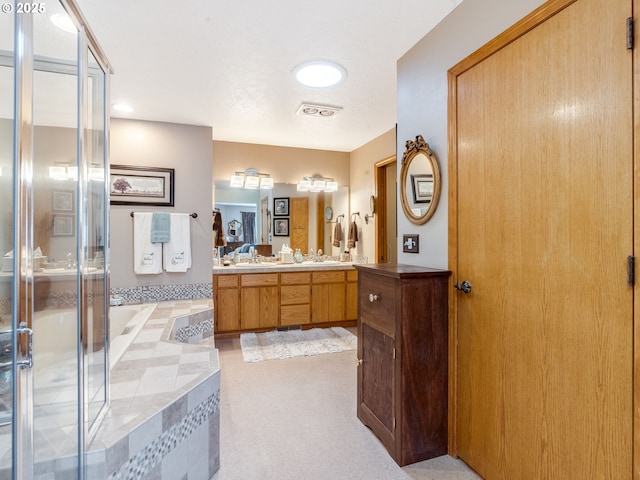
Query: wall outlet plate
x=410, y=243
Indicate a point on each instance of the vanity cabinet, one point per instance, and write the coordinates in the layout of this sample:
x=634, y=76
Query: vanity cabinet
x=263, y=301
x=402, y=358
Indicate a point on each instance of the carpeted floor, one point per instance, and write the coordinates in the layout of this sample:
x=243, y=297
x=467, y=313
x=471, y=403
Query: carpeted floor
x=295, y=419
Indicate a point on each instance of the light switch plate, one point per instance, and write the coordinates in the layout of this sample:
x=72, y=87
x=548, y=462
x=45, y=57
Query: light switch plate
x=410, y=243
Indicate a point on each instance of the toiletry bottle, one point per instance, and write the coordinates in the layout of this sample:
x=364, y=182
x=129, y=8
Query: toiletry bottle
x=298, y=256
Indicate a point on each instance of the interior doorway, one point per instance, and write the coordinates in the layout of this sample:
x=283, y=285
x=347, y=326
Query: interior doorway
x=386, y=175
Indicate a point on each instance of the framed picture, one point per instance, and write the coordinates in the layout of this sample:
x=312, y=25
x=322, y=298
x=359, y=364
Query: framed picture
x=281, y=227
x=422, y=186
x=63, y=225
x=141, y=185
x=281, y=207
x=62, y=201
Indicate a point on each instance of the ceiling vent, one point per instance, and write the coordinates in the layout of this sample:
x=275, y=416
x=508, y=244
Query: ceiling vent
x=323, y=111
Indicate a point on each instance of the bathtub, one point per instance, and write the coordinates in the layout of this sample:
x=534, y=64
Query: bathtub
x=55, y=333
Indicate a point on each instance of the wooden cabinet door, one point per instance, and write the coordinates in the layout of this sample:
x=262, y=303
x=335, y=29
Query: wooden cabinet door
x=260, y=307
x=376, y=386
x=543, y=225
x=328, y=303
x=299, y=223
x=227, y=310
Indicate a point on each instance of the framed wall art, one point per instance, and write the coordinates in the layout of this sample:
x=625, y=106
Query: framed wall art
x=281, y=207
x=281, y=227
x=63, y=225
x=130, y=185
x=62, y=201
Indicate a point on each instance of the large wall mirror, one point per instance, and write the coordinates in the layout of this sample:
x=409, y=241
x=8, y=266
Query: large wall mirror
x=420, y=181
x=253, y=210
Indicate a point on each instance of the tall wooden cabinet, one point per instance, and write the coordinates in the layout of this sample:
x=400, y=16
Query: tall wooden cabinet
x=402, y=357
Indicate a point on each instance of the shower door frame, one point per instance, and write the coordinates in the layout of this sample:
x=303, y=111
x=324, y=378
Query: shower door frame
x=24, y=65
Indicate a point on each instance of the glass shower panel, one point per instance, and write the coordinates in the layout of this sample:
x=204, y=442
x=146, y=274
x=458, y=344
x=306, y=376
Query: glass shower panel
x=94, y=253
x=6, y=243
x=55, y=239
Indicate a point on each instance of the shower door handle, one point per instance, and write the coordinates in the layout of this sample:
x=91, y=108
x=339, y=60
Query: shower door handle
x=26, y=362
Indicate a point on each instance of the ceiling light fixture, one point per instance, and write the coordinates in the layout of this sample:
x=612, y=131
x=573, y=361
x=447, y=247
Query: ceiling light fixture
x=122, y=107
x=317, y=183
x=251, y=179
x=319, y=74
x=63, y=22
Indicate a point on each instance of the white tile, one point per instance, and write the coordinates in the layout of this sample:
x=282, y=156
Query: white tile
x=137, y=354
x=182, y=380
x=150, y=335
x=124, y=389
x=158, y=380
x=145, y=434
x=198, y=357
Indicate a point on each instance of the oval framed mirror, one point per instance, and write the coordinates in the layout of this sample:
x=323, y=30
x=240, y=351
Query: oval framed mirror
x=420, y=181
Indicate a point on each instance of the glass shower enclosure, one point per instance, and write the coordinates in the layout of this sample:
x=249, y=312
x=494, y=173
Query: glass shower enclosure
x=54, y=277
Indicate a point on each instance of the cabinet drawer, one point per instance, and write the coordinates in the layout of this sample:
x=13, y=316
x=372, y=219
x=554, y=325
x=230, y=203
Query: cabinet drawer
x=328, y=277
x=295, y=294
x=227, y=281
x=352, y=275
x=380, y=313
x=259, y=280
x=300, y=278
x=295, y=314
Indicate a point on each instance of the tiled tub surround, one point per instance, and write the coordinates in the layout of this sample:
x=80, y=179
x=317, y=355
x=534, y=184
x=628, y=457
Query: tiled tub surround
x=164, y=418
x=161, y=293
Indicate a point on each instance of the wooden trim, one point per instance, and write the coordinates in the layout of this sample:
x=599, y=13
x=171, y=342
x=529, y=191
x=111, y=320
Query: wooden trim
x=636, y=249
x=453, y=263
x=528, y=23
x=380, y=180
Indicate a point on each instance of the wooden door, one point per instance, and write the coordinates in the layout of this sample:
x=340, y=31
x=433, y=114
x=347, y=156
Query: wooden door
x=299, y=223
x=265, y=221
x=542, y=227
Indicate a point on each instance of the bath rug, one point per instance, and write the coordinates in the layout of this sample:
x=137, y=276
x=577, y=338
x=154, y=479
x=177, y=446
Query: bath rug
x=257, y=347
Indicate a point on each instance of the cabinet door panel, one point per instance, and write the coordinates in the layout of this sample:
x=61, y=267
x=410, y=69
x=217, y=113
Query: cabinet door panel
x=378, y=380
x=295, y=314
x=269, y=307
x=328, y=303
x=227, y=310
x=249, y=308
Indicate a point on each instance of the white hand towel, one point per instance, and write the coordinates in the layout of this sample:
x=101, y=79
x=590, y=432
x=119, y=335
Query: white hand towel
x=177, y=252
x=147, y=256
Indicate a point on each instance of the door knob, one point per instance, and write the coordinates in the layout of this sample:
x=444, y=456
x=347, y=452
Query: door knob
x=374, y=297
x=465, y=286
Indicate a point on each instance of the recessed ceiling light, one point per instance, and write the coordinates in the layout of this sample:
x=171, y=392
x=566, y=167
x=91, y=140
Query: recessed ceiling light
x=122, y=107
x=319, y=74
x=63, y=22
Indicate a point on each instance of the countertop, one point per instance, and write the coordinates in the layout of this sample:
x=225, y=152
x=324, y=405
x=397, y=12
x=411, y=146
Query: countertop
x=280, y=267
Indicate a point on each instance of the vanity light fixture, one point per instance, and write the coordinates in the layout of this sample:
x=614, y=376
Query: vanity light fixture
x=320, y=74
x=317, y=183
x=251, y=179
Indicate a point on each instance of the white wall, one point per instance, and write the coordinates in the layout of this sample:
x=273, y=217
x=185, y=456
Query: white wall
x=187, y=149
x=422, y=102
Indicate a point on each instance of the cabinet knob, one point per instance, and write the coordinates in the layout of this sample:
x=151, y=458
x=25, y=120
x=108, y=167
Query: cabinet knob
x=374, y=297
